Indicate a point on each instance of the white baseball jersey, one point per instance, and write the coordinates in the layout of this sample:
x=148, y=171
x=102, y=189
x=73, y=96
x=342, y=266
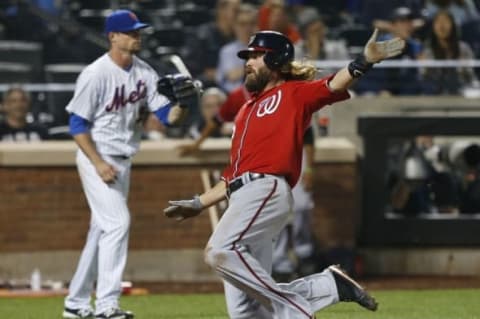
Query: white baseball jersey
x=111, y=98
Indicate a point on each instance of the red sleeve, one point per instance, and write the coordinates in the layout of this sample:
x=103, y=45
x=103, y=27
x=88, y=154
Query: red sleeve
x=232, y=105
x=316, y=94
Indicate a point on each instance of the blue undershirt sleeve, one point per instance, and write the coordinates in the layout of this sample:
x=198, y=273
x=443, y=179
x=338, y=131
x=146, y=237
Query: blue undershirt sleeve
x=78, y=124
x=162, y=114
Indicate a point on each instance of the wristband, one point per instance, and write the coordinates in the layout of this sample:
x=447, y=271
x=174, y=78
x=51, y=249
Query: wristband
x=196, y=203
x=359, y=66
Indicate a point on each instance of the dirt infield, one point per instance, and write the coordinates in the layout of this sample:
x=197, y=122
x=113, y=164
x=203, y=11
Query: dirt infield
x=374, y=283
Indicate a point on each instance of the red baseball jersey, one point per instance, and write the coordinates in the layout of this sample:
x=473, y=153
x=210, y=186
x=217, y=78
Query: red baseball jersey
x=269, y=128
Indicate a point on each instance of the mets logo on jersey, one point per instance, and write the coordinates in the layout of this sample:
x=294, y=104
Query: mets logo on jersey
x=121, y=98
x=269, y=105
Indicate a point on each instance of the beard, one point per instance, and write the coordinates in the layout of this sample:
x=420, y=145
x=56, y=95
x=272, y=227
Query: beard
x=256, y=82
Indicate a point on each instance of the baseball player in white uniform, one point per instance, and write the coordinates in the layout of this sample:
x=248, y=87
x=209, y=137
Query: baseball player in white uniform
x=110, y=95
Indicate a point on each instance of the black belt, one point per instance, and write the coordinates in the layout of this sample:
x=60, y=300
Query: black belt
x=245, y=178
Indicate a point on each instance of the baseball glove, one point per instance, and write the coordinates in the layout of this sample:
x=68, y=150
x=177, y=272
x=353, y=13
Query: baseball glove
x=179, y=89
x=183, y=209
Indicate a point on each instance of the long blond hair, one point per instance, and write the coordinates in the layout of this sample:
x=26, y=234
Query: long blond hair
x=299, y=71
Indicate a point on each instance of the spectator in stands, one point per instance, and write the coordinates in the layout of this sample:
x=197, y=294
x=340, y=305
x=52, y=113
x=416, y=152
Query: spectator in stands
x=335, y=13
x=212, y=99
x=444, y=44
x=314, y=44
x=15, y=127
x=403, y=27
x=462, y=10
x=230, y=70
x=204, y=45
x=397, y=81
x=377, y=12
x=227, y=113
x=273, y=15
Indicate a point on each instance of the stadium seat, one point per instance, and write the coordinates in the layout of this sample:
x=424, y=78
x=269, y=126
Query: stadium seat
x=62, y=73
x=152, y=4
x=470, y=33
x=26, y=53
x=207, y=3
x=56, y=101
x=356, y=37
x=91, y=4
x=171, y=37
x=15, y=73
x=93, y=19
x=194, y=15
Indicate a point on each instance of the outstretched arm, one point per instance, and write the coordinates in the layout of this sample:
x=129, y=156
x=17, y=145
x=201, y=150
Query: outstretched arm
x=374, y=52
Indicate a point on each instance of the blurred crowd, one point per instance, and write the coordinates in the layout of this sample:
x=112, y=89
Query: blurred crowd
x=208, y=33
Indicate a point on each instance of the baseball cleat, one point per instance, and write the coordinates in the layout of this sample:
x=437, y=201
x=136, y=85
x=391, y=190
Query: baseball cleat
x=77, y=313
x=350, y=290
x=115, y=313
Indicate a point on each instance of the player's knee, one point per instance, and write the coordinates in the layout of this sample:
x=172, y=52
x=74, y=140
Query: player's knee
x=213, y=256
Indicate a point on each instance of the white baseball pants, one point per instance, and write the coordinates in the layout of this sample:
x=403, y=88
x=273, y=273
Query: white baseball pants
x=105, y=253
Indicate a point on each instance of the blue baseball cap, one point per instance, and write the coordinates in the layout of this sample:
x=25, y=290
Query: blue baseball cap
x=123, y=21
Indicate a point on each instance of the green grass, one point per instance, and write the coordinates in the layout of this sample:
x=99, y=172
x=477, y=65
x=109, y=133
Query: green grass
x=400, y=304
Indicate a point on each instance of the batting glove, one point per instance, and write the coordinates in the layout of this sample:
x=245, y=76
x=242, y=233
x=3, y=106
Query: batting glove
x=375, y=52
x=183, y=209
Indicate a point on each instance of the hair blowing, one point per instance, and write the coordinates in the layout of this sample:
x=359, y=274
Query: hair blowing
x=299, y=71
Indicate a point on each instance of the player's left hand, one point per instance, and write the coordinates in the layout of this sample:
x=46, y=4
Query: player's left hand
x=179, y=89
x=375, y=52
x=183, y=209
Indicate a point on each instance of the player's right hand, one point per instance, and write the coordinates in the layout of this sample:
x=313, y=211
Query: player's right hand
x=183, y=209
x=106, y=171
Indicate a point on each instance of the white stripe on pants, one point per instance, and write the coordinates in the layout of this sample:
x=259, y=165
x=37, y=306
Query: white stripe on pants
x=256, y=214
x=105, y=251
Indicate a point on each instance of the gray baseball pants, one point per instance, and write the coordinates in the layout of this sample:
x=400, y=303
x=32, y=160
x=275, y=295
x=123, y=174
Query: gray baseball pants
x=240, y=251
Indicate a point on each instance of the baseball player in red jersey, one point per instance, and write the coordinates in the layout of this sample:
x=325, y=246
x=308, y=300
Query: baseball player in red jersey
x=265, y=163
x=297, y=233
